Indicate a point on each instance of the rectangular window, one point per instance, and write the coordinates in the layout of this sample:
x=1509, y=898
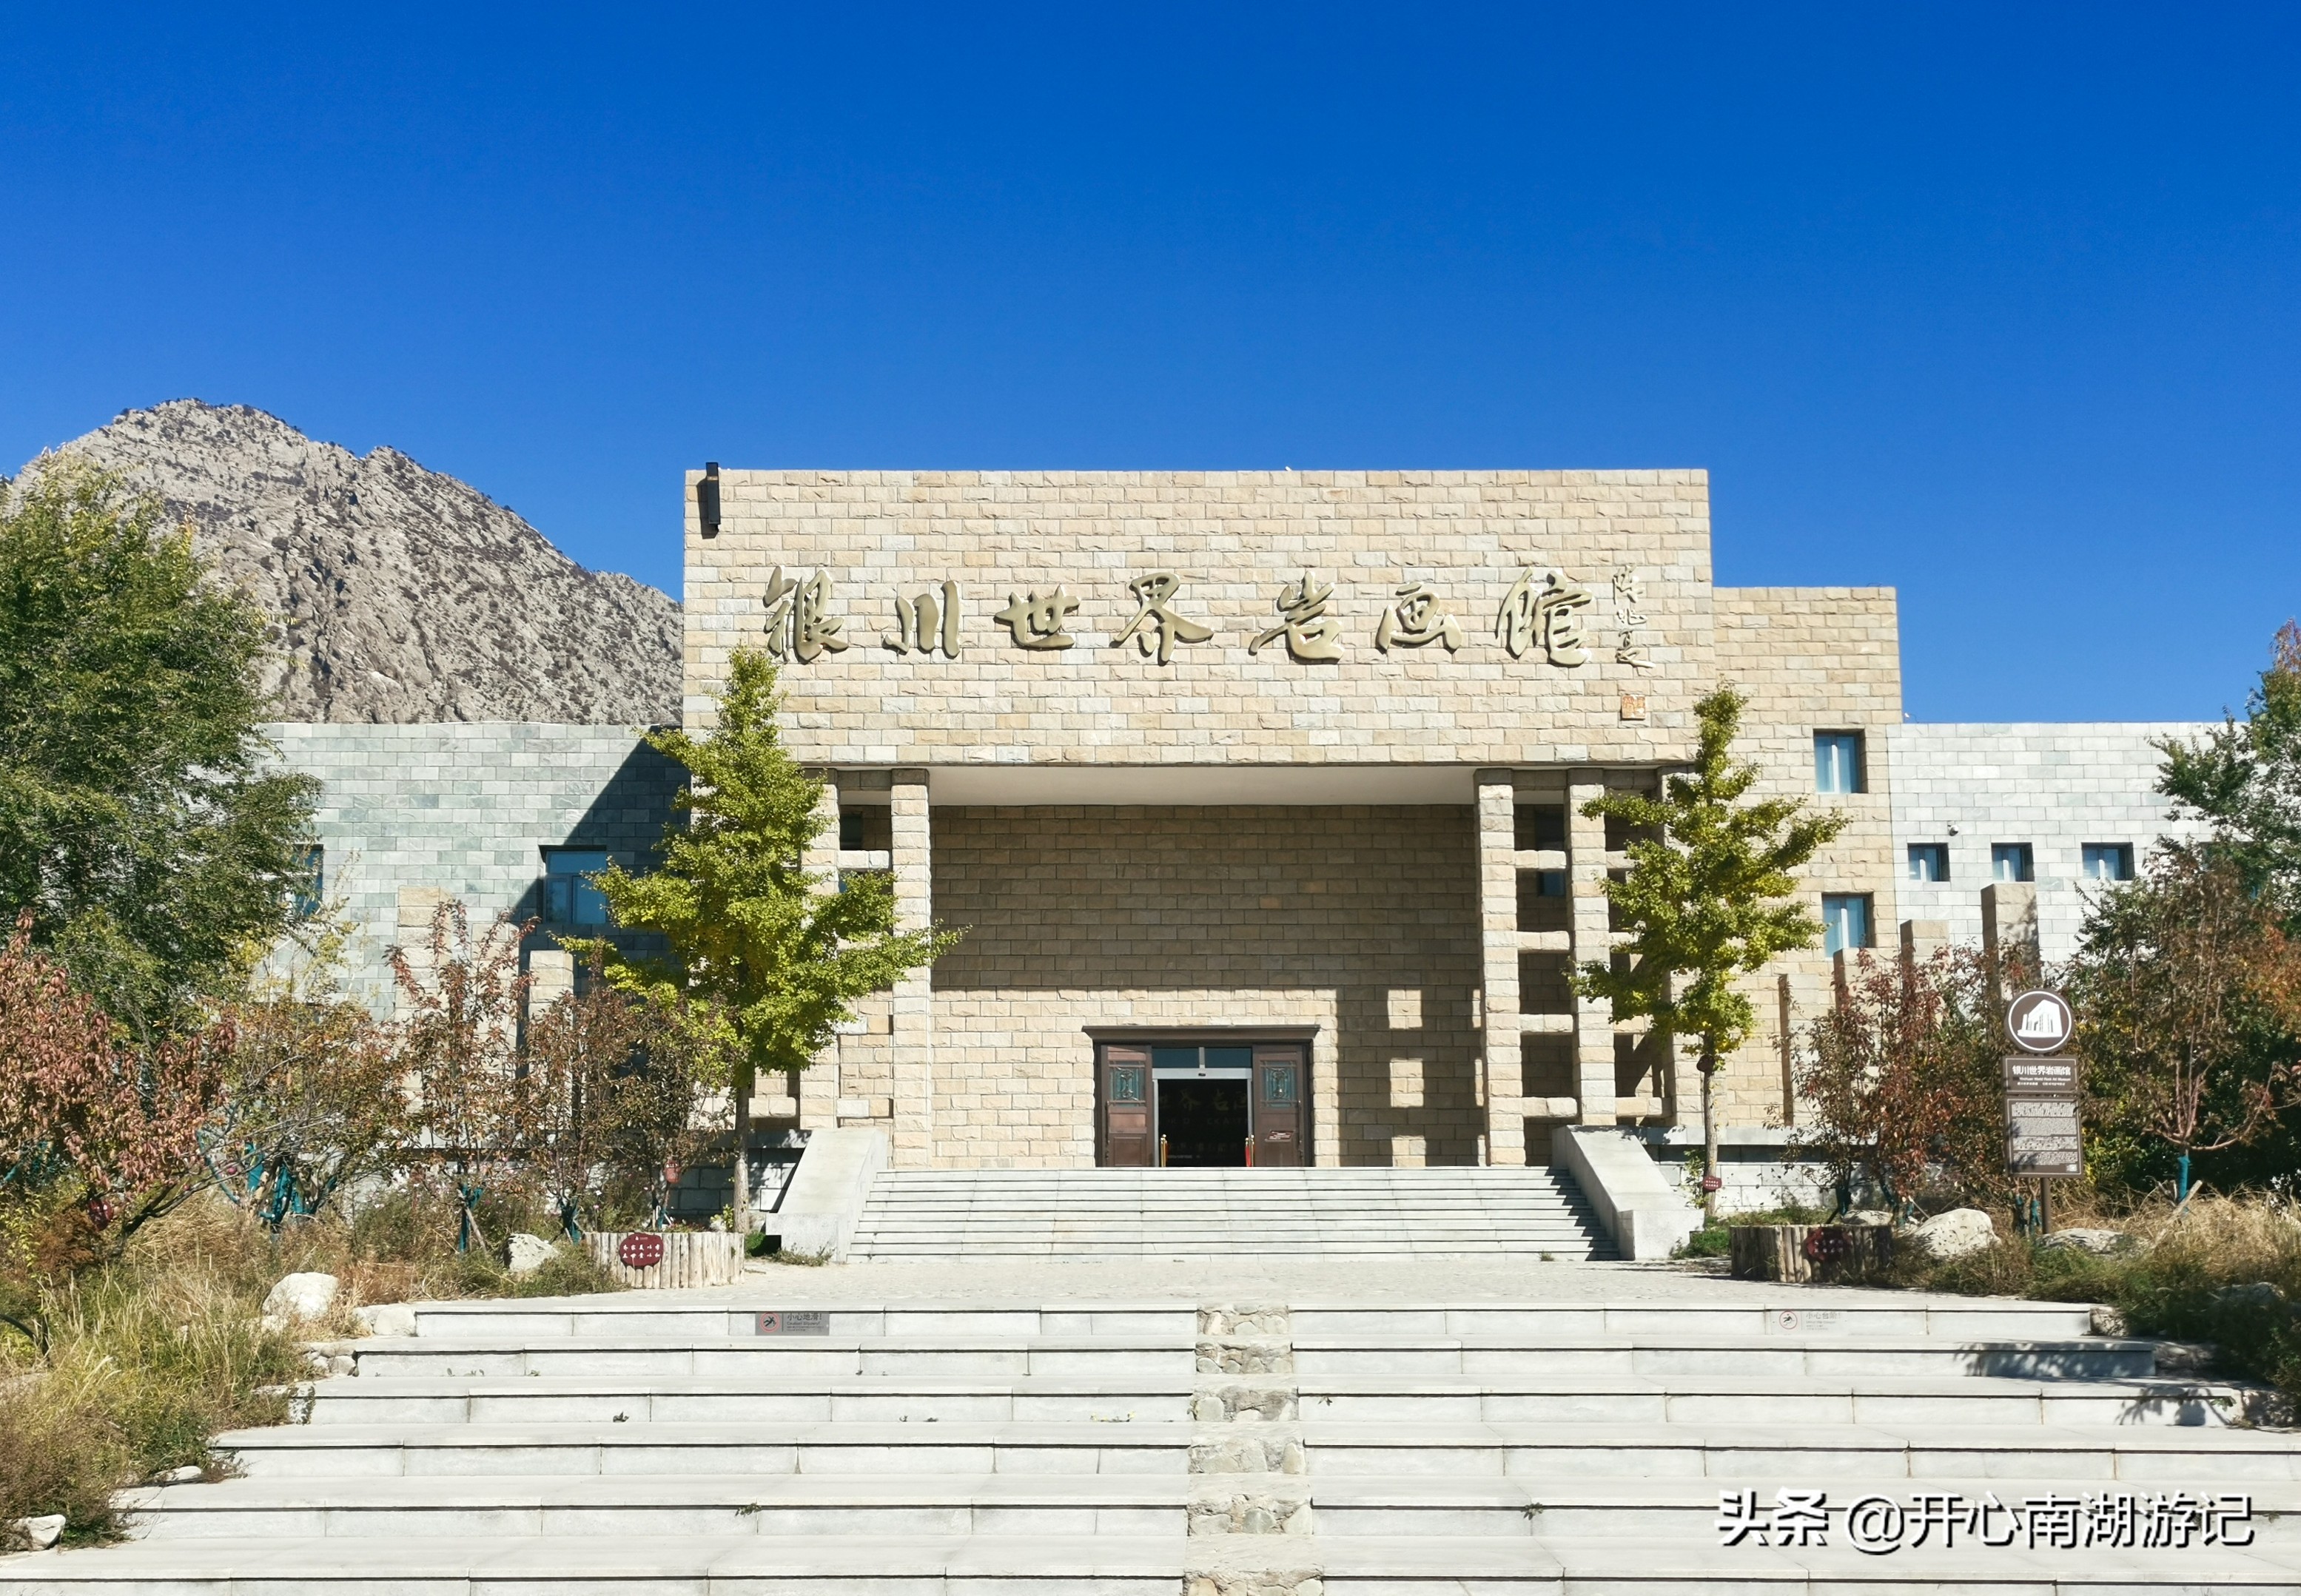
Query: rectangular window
x=2108, y=861
x=1550, y=884
x=311, y=881
x=569, y=898
x=1929, y=860
x=1837, y=763
x=1844, y=921
x=2012, y=861
x=1539, y=827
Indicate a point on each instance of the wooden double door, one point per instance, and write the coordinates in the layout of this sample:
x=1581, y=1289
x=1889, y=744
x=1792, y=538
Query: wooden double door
x=1186, y=1104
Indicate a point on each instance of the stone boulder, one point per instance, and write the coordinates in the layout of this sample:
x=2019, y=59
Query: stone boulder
x=298, y=1298
x=2259, y=1295
x=386, y=1319
x=525, y=1254
x=2099, y=1242
x=38, y=1534
x=1959, y=1233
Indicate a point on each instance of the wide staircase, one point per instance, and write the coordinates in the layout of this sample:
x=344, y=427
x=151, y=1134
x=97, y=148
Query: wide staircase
x=727, y=1443
x=1206, y=1213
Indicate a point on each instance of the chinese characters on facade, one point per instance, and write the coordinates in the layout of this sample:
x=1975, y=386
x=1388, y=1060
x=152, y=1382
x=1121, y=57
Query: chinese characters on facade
x=1542, y=617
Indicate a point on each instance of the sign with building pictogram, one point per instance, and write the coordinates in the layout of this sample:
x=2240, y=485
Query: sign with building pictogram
x=2039, y=1022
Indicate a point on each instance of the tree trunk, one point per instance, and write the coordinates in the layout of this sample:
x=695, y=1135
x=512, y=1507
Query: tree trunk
x=1709, y=1068
x=742, y=1216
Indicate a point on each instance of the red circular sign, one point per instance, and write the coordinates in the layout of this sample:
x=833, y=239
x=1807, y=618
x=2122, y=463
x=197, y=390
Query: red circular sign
x=640, y=1250
x=1827, y=1246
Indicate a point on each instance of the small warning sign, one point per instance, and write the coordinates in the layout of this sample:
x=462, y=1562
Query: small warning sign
x=802, y=1322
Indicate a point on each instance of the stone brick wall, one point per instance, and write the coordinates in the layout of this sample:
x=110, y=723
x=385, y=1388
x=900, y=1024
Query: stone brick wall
x=465, y=809
x=2054, y=787
x=1811, y=659
x=1361, y=921
x=1235, y=540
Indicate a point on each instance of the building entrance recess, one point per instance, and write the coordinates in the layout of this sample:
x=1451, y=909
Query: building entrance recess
x=1184, y=1104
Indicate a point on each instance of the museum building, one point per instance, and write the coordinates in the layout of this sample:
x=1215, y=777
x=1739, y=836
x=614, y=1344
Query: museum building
x=1259, y=799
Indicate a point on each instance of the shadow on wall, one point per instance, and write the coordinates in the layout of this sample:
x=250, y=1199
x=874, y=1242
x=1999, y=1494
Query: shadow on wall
x=1377, y=906
x=625, y=822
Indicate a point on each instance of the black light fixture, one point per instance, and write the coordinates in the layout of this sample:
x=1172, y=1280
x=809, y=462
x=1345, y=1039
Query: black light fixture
x=706, y=499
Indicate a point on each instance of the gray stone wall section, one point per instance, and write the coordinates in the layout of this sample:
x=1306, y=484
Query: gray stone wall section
x=467, y=808
x=2056, y=786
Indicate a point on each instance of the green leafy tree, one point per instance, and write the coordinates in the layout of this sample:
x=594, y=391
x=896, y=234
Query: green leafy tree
x=2244, y=780
x=2187, y=993
x=767, y=955
x=139, y=823
x=1706, y=899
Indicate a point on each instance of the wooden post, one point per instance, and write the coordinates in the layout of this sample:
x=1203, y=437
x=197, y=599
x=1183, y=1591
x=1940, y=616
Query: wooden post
x=1789, y=1055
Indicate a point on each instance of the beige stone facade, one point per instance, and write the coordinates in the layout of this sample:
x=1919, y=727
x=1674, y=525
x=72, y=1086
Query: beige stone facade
x=1251, y=817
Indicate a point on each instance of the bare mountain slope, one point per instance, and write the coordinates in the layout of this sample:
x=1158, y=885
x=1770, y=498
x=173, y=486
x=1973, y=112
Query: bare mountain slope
x=399, y=594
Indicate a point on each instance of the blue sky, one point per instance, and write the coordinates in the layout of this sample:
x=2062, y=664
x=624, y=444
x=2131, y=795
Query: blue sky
x=2000, y=305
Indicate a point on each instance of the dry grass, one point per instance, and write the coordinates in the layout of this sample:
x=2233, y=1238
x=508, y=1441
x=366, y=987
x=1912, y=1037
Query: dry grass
x=149, y=1356
x=2174, y=1281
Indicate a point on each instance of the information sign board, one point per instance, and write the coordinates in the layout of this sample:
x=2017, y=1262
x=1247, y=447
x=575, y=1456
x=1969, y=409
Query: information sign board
x=2041, y=1137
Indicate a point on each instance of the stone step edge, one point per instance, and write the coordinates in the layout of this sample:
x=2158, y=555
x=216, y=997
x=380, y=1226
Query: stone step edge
x=1527, y=1436
x=229, y=1566
x=634, y=1307
x=394, y=1493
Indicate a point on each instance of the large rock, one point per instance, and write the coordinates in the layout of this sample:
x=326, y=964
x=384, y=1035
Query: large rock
x=39, y=1534
x=386, y=1319
x=1959, y=1233
x=2100, y=1242
x=2259, y=1295
x=298, y=1298
x=400, y=594
x=525, y=1254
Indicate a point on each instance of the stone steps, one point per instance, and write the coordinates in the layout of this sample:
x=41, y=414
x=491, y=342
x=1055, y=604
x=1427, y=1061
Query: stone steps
x=1534, y=1565
x=1598, y=1399
x=1653, y=1353
x=658, y=1442
x=1575, y=1451
x=1114, y=1213
x=701, y=1314
x=881, y=1503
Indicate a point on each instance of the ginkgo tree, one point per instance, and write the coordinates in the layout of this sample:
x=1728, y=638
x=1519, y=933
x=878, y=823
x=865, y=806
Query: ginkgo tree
x=765, y=956
x=1706, y=899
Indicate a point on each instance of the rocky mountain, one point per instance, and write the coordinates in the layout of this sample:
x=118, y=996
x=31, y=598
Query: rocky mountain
x=399, y=594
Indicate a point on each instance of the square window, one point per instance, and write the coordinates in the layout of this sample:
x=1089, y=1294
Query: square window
x=2108, y=861
x=1837, y=763
x=569, y=898
x=2012, y=861
x=1844, y=921
x=1929, y=860
x=1550, y=884
x=865, y=828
